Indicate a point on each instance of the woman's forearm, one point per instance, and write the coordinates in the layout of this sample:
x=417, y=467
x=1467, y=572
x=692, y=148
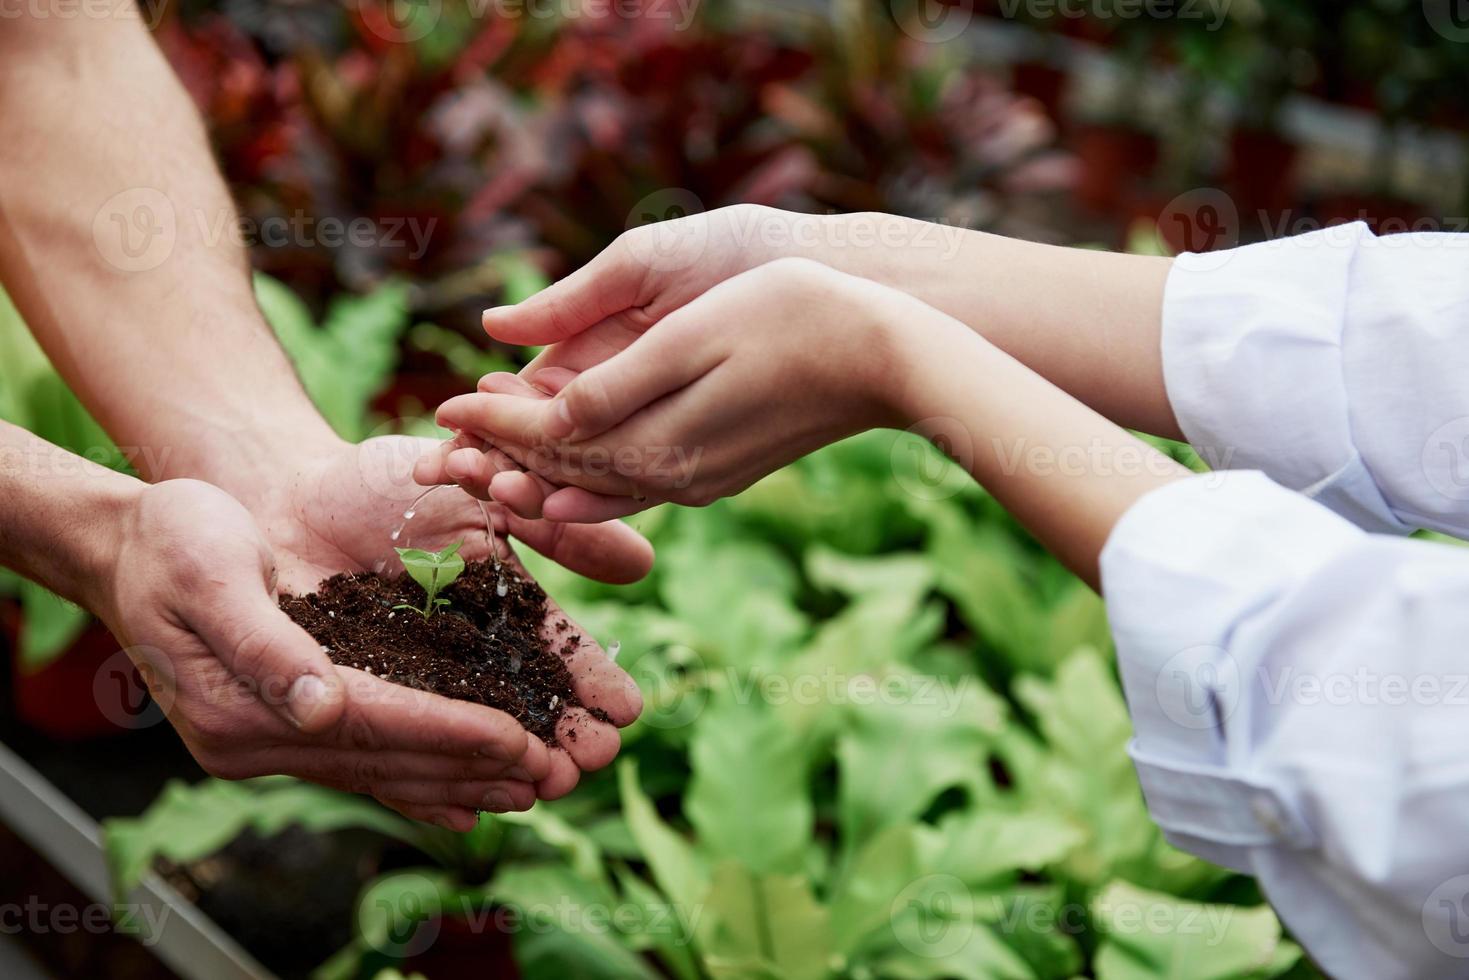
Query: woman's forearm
x=1065, y=472
x=1088, y=321
x=119, y=245
x=61, y=516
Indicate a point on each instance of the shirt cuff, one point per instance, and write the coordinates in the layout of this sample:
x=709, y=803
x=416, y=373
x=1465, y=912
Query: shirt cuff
x=1185, y=566
x=1252, y=361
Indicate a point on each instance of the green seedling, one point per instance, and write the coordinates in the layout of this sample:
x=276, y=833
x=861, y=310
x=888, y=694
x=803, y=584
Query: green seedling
x=435, y=571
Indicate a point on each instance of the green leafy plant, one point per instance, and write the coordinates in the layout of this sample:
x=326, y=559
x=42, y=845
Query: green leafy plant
x=34, y=397
x=435, y=571
x=347, y=360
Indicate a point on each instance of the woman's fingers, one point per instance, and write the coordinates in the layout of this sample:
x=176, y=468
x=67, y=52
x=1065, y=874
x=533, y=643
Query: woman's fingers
x=573, y=505
x=661, y=361
x=607, y=284
x=612, y=552
x=523, y=493
x=552, y=379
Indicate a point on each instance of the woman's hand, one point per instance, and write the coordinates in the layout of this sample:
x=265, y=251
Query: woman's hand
x=759, y=370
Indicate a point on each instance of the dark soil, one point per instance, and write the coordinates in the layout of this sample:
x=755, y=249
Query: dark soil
x=482, y=647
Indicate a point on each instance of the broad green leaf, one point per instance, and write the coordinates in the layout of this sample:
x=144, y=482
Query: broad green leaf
x=765, y=925
x=391, y=907
x=580, y=852
x=862, y=904
x=737, y=598
x=187, y=822
x=50, y=625
x=1149, y=936
x=939, y=937
x=570, y=926
x=748, y=798
x=669, y=934
x=346, y=361
x=904, y=575
x=679, y=872
x=1040, y=923
x=980, y=569
x=1088, y=774
x=984, y=842
x=916, y=738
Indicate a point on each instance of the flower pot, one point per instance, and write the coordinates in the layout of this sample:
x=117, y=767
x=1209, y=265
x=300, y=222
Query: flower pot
x=73, y=697
x=1115, y=160
x=465, y=950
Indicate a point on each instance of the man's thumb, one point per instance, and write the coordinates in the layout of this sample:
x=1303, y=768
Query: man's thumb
x=288, y=669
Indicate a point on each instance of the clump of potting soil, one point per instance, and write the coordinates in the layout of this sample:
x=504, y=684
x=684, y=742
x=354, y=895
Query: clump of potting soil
x=486, y=645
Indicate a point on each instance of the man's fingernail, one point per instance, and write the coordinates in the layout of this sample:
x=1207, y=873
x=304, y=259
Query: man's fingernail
x=518, y=772
x=305, y=699
x=559, y=426
x=498, y=800
x=494, y=751
x=634, y=695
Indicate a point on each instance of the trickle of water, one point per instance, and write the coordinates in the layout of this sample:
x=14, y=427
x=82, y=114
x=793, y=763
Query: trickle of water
x=502, y=587
x=489, y=533
x=412, y=511
x=613, y=649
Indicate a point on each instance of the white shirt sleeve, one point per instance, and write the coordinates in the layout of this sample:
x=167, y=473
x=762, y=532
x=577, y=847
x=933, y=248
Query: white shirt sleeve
x=1336, y=362
x=1300, y=695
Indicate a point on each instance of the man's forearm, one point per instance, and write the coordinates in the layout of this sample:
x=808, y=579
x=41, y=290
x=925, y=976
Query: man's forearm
x=117, y=243
x=61, y=516
x=1089, y=322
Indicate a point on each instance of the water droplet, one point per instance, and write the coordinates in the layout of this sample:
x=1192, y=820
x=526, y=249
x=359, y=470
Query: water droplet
x=613, y=649
x=408, y=514
x=397, y=534
x=502, y=588
x=515, y=662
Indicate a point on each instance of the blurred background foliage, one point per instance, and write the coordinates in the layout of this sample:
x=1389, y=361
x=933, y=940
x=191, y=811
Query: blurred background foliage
x=980, y=819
